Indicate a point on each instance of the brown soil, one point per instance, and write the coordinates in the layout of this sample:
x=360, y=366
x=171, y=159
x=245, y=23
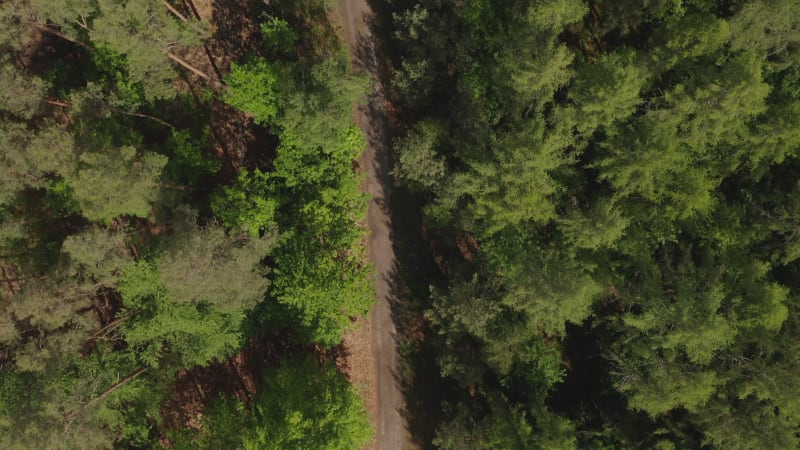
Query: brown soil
x=238, y=376
x=358, y=363
x=241, y=375
x=234, y=33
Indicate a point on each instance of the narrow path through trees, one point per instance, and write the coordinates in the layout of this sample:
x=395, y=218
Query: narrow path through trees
x=390, y=428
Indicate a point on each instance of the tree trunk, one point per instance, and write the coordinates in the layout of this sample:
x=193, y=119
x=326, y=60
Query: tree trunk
x=193, y=8
x=113, y=324
x=175, y=11
x=66, y=104
x=116, y=386
x=55, y=32
x=185, y=64
x=72, y=415
x=205, y=46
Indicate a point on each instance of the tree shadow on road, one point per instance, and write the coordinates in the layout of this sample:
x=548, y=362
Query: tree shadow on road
x=415, y=268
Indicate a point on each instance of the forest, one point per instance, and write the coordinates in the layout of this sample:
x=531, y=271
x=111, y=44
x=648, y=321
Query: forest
x=594, y=216
x=178, y=187
x=610, y=190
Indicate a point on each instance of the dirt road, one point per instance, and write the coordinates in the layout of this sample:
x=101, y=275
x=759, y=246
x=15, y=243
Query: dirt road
x=390, y=426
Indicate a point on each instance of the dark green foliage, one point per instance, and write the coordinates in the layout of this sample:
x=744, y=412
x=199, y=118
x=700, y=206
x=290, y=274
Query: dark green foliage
x=187, y=161
x=617, y=166
x=505, y=427
x=278, y=35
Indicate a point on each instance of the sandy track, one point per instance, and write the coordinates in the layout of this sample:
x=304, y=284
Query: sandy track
x=390, y=425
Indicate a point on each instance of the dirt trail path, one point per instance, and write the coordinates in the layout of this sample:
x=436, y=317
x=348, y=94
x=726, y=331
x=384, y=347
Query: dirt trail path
x=390, y=426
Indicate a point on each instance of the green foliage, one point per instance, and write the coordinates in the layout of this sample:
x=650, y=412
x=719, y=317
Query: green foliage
x=144, y=31
x=255, y=88
x=116, y=182
x=312, y=195
x=60, y=197
x=505, y=427
x=621, y=174
x=190, y=304
x=278, y=35
x=325, y=286
x=209, y=267
x=110, y=285
x=56, y=309
x=301, y=405
x=600, y=227
x=246, y=204
x=161, y=328
x=419, y=164
x=187, y=160
x=98, y=254
x=13, y=388
x=82, y=404
x=691, y=36
x=319, y=107
x=771, y=28
x=605, y=91
x=21, y=93
x=113, y=70
x=555, y=15
x=321, y=272
x=29, y=157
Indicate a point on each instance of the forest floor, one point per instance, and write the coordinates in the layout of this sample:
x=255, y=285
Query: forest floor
x=387, y=391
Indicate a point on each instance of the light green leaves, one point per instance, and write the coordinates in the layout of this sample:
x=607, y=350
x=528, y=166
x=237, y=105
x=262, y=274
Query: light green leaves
x=254, y=88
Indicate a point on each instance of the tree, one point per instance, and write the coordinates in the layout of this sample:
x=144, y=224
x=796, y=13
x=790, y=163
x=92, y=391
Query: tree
x=514, y=187
x=145, y=32
x=544, y=282
x=624, y=172
x=419, y=165
x=31, y=159
x=321, y=272
x=255, y=88
x=21, y=93
x=99, y=254
x=119, y=181
x=769, y=27
x=189, y=304
x=605, y=90
x=301, y=405
x=247, y=204
x=505, y=426
x=207, y=266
